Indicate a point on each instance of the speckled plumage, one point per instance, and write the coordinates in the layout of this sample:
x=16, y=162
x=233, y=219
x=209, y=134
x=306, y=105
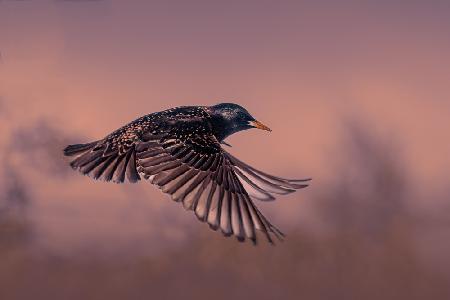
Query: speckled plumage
x=179, y=151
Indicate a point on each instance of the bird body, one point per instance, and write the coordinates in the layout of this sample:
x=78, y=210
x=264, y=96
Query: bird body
x=179, y=151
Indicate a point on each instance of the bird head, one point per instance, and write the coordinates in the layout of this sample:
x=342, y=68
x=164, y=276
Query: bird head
x=228, y=118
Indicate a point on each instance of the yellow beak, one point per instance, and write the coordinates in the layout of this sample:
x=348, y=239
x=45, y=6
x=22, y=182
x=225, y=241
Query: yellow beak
x=259, y=125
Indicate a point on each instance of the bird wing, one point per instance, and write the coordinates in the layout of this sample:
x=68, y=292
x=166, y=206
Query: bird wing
x=206, y=179
x=195, y=171
x=109, y=159
x=260, y=185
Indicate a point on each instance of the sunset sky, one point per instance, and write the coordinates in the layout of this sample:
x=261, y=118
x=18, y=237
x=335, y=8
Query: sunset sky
x=73, y=71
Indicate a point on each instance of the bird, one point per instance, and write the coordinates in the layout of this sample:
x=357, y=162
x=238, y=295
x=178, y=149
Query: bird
x=180, y=151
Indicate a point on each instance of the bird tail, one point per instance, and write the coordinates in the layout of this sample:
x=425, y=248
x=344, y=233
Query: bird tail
x=77, y=149
x=94, y=160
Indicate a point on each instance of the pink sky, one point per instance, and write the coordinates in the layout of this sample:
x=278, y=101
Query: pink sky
x=303, y=69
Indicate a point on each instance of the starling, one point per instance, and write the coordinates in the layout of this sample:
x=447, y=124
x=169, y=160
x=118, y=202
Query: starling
x=179, y=150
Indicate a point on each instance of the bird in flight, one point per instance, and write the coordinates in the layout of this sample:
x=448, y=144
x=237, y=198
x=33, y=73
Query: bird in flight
x=179, y=150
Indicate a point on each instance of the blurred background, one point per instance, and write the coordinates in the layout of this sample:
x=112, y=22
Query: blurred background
x=357, y=94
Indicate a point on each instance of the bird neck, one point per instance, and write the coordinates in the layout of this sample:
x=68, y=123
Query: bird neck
x=222, y=127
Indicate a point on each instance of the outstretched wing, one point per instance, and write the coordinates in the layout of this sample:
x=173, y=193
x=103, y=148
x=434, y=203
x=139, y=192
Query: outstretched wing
x=260, y=185
x=112, y=158
x=203, y=177
x=195, y=171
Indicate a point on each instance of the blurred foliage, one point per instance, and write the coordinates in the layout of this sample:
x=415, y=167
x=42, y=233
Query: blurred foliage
x=367, y=252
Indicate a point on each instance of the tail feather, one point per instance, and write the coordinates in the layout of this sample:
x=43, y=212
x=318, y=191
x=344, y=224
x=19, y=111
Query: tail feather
x=77, y=149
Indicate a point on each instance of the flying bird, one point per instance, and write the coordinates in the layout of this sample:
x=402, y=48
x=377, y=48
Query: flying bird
x=179, y=150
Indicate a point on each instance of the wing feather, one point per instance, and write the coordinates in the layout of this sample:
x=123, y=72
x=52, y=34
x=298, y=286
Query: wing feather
x=197, y=172
x=211, y=185
x=225, y=214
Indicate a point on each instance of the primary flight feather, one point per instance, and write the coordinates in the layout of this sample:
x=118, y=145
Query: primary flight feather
x=179, y=150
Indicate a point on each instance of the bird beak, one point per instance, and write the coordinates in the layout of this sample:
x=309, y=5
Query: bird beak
x=259, y=125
